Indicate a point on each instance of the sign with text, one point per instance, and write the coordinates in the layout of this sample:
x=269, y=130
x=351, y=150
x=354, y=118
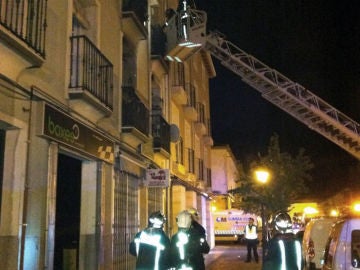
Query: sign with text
x=65, y=129
x=157, y=178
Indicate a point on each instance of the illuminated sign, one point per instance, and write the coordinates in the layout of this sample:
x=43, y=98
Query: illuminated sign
x=64, y=129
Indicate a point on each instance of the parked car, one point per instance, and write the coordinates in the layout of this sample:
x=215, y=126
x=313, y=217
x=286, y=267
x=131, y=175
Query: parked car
x=343, y=246
x=314, y=240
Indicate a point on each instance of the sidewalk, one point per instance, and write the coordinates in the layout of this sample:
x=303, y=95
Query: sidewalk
x=230, y=257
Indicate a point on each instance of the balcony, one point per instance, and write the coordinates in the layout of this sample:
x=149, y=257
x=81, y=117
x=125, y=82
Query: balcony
x=23, y=27
x=190, y=106
x=135, y=118
x=179, y=169
x=133, y=20
x=178, y=93
x=161, y=135
x=138, y=7
x=91, y=75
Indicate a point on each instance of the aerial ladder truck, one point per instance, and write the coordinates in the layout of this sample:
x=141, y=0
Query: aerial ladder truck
x=186, y=34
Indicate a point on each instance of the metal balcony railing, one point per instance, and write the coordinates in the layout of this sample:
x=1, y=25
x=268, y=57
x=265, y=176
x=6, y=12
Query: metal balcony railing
x=134, y=112
x=161, y=133
x=90, y=70
x=27, y=21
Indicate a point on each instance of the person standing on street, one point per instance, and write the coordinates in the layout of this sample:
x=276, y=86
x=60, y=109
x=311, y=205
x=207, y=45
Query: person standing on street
x=251, y=237
x=199, y=246
x=151, y=246
x=284, y=250
x=195, y=225
x=179, y=244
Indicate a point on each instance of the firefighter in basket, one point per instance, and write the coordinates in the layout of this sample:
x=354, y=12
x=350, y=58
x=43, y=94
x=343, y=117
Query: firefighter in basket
x=284, y=249
x=151, y=246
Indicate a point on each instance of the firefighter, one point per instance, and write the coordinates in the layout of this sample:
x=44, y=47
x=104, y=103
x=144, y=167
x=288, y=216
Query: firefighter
x=151, y=246
x=195, y=225
x=251, y=237
x=180, y=241
x=198, y=235
x=186, y=248
x=284, y=249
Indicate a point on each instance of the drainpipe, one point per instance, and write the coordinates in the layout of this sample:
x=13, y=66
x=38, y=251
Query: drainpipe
x=149, y=18
x=26, y=186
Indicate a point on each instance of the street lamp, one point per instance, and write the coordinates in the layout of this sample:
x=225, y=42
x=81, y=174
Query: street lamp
x=262, y=176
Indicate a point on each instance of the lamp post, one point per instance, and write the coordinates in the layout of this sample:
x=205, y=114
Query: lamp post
x=262, y=176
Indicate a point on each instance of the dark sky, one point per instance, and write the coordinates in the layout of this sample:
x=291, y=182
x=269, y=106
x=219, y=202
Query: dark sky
x=315, y=43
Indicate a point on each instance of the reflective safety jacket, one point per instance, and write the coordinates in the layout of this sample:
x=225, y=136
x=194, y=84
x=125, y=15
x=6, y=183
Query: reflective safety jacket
x=251, y=232
x=187, y=249
x=151, y=248
x=284, y=253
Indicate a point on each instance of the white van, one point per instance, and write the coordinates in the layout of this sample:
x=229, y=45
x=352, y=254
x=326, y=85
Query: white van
x=343, y=246
x=314, y=240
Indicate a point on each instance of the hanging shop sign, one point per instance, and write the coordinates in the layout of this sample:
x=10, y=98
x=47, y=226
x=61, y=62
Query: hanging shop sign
x=157, y=178
x=64, y=129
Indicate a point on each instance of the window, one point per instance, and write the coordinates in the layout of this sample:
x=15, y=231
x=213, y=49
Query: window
x=191, y=160
x=179, y=147
x=332, y=244
x=355, y=248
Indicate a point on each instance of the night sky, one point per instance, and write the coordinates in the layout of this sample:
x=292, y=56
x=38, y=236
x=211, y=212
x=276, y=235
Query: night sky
x=315, y=43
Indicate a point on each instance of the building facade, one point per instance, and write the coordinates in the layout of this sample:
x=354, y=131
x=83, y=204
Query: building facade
x=225, y=177
x=89, y=104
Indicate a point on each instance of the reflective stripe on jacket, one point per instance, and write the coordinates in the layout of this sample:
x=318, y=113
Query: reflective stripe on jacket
x=251, y=233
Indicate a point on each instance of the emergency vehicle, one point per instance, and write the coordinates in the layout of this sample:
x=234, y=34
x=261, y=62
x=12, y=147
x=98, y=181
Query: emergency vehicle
x=229, y=225
x=186, y=33
x=342, y=251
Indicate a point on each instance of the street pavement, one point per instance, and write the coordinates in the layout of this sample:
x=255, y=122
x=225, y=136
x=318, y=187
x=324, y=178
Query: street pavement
x=230, y=257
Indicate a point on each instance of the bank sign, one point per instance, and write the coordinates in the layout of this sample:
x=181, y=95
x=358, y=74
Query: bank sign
x=64, y=129
x=157, y=178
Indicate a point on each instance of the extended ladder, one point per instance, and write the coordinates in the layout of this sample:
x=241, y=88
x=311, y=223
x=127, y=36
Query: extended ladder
x=287, y=95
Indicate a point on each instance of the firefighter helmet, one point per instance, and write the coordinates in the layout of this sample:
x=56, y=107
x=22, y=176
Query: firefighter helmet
x=193, y=212
x=156, y=219
x=183, y=219
x=282, y=223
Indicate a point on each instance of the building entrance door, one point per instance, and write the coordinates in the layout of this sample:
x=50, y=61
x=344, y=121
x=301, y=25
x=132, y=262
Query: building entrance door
x=67, y=219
